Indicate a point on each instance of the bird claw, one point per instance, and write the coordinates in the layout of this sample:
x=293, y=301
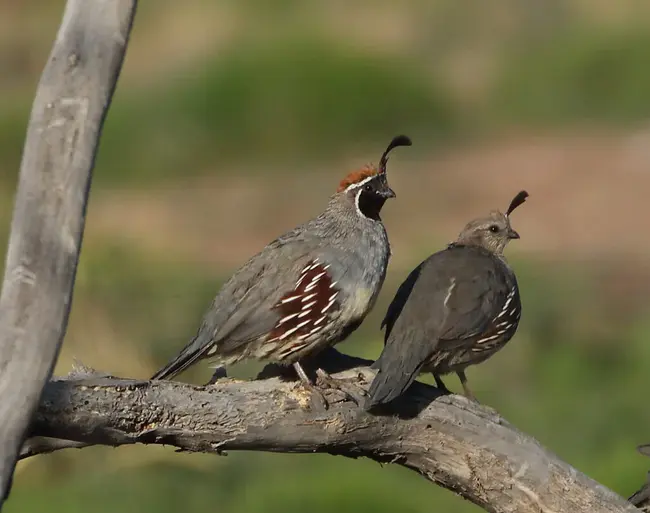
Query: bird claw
x=347, y=386
x=471, y=398
x=467, y=392
x=318, y=402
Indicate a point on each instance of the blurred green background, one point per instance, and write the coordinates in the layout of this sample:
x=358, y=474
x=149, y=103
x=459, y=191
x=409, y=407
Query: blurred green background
x=233, y=122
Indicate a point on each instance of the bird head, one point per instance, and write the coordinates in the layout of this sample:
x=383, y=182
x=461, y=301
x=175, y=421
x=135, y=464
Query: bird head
x=367, y=188
x=494, y=231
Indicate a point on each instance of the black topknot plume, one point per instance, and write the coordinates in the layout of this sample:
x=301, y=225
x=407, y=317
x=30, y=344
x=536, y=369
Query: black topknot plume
x=400, y=140
x=516, y=201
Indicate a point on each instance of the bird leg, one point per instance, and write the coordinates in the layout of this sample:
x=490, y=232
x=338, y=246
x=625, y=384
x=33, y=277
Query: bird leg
x=347, y=386
x=440, y=385
x=219, y=373
x=463, y=381
x=319, y=402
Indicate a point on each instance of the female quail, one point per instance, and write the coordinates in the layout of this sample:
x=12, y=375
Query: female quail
x=308, y=289
x=457, y=308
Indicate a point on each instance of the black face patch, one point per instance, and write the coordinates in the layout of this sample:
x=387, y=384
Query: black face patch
x=370, y=204
x=372, y=195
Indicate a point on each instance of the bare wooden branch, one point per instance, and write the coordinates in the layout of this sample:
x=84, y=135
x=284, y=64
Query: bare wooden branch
x=73, y=96
x=457, y=444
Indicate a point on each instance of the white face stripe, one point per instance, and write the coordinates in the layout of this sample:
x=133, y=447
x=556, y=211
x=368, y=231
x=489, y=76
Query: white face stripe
x=361, y=183
x=356, y=202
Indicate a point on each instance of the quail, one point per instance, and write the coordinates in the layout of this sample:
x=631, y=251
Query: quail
x=457, y=308
x=307, y=290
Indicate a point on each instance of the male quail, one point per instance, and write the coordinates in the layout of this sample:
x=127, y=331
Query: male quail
x=308, y=289
x=457, y=308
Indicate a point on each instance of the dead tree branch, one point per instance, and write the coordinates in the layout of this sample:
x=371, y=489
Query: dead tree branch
x=459, y=445
x=71, y=102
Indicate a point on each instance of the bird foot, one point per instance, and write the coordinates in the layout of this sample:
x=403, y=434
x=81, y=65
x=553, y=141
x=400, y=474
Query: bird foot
x=318, y=402
x=471, y=398
x=348, y=386
x=219, y=373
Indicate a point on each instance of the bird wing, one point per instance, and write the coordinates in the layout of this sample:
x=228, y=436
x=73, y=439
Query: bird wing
x=244, y=310
x=239, y=313
x=447, y=298
x=476, y=299
x=409, y=339
x=400, y=299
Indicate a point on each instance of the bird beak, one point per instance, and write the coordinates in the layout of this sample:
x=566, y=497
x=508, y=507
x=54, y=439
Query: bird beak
x=513, y=234
x=388, y=193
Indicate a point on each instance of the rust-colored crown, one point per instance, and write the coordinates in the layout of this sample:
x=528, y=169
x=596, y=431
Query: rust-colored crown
x=357, y=176
x=370, y=170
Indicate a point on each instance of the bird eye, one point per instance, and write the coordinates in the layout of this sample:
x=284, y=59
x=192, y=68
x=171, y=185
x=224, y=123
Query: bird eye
x=367, y=187
x=494, y=228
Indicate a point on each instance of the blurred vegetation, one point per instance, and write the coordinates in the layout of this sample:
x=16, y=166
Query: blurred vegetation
x=579, y=76
x=225, y=106
x=266, y=97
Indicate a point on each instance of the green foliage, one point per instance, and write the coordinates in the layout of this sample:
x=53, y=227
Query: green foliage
x=13, y=124
x=172, y=294
x=578, y=76
x=309, y=96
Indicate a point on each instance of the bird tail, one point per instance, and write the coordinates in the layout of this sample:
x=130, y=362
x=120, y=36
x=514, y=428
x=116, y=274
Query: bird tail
x=192, y=352
x=392, y=380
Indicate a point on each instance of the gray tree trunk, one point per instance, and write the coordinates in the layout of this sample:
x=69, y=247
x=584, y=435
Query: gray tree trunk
x=71, y=102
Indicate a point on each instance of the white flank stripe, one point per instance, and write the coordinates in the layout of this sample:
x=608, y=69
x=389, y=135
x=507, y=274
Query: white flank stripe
x=311, y=286
x=327, y=307
x=309, y=305
x=289, y=332
x=302, y=277
x=303, y=323
x=287, y=318
x=487, y=339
